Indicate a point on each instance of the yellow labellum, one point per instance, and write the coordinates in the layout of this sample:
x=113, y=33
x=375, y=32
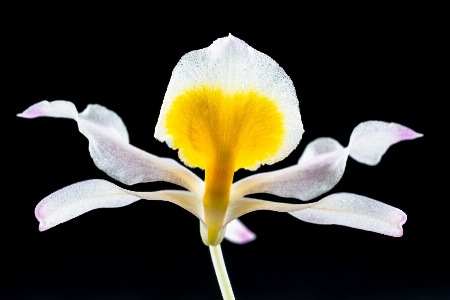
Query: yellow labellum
x=209, y=125
x=222, y=132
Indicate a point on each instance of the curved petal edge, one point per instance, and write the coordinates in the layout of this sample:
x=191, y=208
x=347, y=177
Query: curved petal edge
x=79, y=198
x=232, y=66
x=323, y=162
x=110, y=150
x=355, y=211
x=371, y=139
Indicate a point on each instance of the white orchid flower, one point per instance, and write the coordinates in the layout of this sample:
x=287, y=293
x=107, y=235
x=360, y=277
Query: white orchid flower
x=227, y=107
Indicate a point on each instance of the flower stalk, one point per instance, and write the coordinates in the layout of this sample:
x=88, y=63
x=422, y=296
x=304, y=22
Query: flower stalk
x=221, y=272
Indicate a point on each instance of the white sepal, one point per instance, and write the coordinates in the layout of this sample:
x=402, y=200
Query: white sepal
x=79, y=198
x=355, y=211
x=110, y=150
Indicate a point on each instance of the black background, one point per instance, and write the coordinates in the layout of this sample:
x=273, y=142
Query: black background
x=347, y=68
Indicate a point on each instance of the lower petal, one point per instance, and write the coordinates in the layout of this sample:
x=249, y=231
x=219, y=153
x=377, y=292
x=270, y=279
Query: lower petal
x=79, y=198
x=355, y=211
x=340, y=209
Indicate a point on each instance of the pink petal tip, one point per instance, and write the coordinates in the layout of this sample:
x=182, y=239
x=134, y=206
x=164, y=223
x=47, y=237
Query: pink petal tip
x=400, y=234
x=31, y=113
x=405, y=133
x=42, y=228
x=401, y=221
x=247, y=237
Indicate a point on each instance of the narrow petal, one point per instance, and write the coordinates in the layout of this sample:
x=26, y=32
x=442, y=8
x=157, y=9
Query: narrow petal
x=56, y=109
x=79, y=198
x=370, y=140
x=110, y=150
x=341, y=209
x=323, y=163
x=319, y=169
x=238, y=233
x=355, y=211
x=247, y=205
x=187, y=200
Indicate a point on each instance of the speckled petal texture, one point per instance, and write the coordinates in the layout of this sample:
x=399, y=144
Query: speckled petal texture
x=79, y=198
x=110, y=150
x=341, y=209
x=355, y=211
x=310, y=178
x=370, y=140
x=233, y=66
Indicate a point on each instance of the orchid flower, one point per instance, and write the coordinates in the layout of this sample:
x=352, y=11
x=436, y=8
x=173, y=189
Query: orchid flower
x=227, y=107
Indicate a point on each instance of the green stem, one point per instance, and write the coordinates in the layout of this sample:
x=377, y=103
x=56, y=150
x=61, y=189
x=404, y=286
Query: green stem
x=221, y=272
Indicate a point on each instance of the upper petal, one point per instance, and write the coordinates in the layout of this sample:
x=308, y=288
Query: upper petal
x=110, y=150
x=79, y=198
x=323, y=162
x=319, y=169
x=230, y=98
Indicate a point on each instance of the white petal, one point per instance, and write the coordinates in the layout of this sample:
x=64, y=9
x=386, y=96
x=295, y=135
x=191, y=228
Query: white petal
x=246, y=205
x=341, y=209
x=233, y=66
x=236, y=232
x=318, y=148
x=109, y=120
x=370, y=140
x=110, y=150
x=79, y=198
x=187, y=200
x=319, y=170
x=323, y=163
x=355, y=211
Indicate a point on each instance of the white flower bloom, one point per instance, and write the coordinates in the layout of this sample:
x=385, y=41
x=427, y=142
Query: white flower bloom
x=227, y=107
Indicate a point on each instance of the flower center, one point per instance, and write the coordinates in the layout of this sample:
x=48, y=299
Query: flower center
x=222, y=132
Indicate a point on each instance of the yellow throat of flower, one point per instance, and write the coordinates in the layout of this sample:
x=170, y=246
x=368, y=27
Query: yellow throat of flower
x=222, y=132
